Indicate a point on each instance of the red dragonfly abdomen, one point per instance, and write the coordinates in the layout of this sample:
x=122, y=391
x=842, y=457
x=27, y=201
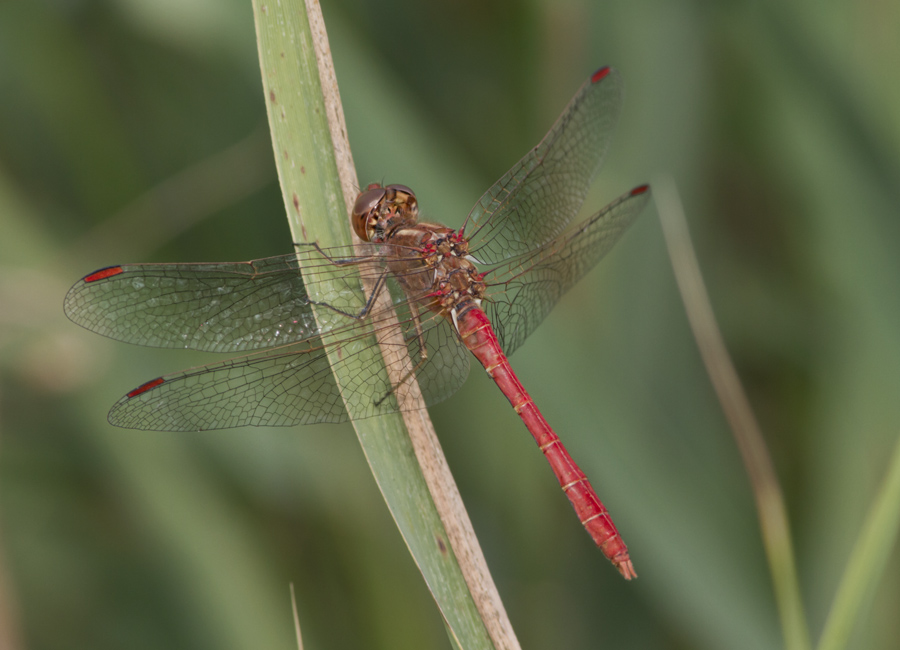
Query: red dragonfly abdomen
x=477, y=334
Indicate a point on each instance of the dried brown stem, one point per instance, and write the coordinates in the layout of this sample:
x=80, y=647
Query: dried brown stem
x=424, y=439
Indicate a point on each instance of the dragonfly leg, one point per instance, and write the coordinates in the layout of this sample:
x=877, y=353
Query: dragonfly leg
x=337, y=261
x=422, y=354
x=370, y=301
x=367, y=308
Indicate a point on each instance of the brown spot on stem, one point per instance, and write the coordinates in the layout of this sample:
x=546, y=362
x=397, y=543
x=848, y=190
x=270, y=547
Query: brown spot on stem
x=296, y=203
x=272, y=96
x=302, y=169
x=442, y=547
x=286, y=156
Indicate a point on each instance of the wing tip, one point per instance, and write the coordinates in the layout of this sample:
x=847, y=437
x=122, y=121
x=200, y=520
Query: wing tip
x=143, y=388
x=102, y=274
x=600, y=74
x=640, y=190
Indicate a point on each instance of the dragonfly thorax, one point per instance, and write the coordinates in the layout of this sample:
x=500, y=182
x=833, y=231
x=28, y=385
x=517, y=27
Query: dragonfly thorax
x=379, y=211
x=456, y=282
x=429, y=260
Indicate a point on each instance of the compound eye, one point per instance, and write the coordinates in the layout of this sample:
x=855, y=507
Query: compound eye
x=402, y=188
x=368, y=200
x=397, y=192
x=366, y=203
x=402, y=195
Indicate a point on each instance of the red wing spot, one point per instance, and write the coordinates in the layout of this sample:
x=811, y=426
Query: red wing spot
x=639, y=190
x=597, y=76
x=143, y=388
x=102, y=274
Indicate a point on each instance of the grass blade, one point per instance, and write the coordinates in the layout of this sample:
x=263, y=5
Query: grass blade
x=770, y=506
x=317, y=179
x=867, y=560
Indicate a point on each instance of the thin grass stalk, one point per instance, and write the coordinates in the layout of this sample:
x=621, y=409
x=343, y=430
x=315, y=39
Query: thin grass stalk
x=867, y=560
x=318, y=182
x=770, y=504
x=296, y=614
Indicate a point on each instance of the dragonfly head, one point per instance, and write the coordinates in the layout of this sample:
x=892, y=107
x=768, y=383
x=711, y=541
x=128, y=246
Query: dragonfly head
x=379, y=211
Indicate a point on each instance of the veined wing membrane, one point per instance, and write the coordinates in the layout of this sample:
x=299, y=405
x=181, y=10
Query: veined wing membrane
x=535, y=200
x=223, y=307
x=524, y=290
x=293, y=384
x=279, y=387
x=440, y=360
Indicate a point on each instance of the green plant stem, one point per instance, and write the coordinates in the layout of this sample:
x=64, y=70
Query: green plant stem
x=747, y=434
x=317, y=179
x=867, y=560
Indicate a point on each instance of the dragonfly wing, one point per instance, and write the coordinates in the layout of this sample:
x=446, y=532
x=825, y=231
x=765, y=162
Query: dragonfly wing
x=535, y=200
x=434, y=355
x=294, y=384
x=439, y=357
x=273, y=388
x=523, y=291
x=228, y=307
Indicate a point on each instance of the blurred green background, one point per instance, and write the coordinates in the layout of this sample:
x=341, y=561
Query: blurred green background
x=135, y=131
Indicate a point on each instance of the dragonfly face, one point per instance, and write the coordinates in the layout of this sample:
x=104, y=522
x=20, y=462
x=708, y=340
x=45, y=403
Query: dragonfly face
x=379, y=211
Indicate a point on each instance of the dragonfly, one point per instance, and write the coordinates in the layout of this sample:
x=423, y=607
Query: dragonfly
x=479, y=290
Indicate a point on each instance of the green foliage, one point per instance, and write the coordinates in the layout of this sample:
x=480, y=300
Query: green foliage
x=781, y=125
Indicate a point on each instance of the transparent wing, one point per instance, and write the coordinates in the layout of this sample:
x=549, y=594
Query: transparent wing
x=294, y=384
x=535, y=200
x=440, y=359
x=275, y=388
x=226, y=307
x=523, y=291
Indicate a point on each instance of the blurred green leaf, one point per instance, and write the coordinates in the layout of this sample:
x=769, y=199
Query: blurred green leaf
x=316, y=209
x=781, y=124
x=870, y=554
